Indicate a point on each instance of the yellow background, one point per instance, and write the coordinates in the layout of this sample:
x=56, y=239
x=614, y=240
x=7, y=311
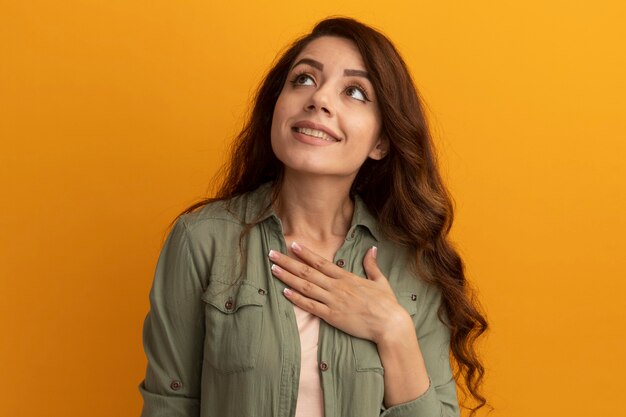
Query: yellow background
x=115, y=114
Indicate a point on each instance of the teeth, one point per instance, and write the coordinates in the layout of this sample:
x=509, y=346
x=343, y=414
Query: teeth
x=315, y=133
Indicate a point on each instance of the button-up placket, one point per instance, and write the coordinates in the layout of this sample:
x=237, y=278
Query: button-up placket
x=290, y=343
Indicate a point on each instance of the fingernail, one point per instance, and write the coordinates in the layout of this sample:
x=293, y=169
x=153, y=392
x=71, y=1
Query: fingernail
x=295, y=246
x=276, y=268
x=374, y=251
x=273, y=254
x=287, y=292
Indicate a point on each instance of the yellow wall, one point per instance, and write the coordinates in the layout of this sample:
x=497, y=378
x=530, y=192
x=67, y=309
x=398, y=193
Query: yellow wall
x=114, y=115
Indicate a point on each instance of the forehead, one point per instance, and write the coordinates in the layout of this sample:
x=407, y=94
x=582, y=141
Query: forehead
x=332, y=50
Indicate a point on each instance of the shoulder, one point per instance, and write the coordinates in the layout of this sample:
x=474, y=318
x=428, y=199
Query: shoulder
x=214, y=212
x=234, y=212
x=217, y=226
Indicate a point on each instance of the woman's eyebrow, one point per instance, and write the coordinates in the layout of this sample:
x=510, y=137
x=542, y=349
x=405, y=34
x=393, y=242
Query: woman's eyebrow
x=319, y=66
x=355, y=72
x=315, y=64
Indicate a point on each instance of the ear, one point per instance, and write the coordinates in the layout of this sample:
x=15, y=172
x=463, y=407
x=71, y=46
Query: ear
x=380, y=149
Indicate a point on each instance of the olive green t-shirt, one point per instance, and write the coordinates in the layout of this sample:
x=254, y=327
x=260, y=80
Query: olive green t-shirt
x=222, y=340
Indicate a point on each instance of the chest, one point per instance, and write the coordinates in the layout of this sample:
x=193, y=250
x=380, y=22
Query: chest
x=327, y=248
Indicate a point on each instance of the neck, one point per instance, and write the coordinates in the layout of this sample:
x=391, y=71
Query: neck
x=315, y=208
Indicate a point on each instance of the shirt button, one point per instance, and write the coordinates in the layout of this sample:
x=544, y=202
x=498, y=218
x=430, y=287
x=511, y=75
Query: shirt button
x=229, y=305
x=352, y=234
x=176, y=385
x=261, y=291
x=323, y=366
x=340, y=263
x=413, y=297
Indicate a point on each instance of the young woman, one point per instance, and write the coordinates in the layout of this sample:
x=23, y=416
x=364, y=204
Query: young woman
x=320, y=281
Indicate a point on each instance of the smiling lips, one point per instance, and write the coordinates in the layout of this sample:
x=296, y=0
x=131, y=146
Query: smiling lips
x=315, y=133
x=315, y=130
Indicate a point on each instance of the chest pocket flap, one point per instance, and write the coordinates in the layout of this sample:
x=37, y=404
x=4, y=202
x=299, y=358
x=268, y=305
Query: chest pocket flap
x=234, y=325
x=229, y=298
x=408, y=300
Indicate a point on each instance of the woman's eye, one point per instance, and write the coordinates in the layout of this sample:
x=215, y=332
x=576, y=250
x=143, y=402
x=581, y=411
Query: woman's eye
x=356, y=93
x=303, y=79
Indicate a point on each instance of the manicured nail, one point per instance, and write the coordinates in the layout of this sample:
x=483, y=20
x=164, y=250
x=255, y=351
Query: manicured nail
x=287, y=292
x=295, y=246
x=276, y=268
x=374, y=251
x=273, y=254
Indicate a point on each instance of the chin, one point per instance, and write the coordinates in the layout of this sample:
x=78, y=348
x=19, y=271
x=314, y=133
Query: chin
x=308, y=168
x=311, y=162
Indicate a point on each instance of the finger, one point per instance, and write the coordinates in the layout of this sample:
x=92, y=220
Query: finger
x=316, y=261
x=370, y=265
x=307, y=304
x=304, y=287
x=299, y=269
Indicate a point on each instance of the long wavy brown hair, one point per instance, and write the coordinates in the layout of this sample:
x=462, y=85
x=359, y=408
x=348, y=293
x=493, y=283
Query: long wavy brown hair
x=404, y=190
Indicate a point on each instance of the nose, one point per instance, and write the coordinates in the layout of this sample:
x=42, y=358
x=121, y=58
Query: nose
x=320, y=100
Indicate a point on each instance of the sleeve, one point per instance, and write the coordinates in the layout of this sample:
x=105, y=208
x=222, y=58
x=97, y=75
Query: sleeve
x=440, y=399
x=173, y=332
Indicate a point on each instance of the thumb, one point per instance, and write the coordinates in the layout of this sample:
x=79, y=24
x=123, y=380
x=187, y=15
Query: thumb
x=370, y=265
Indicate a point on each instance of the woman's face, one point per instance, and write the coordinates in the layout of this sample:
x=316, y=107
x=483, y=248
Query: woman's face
x=326, y=120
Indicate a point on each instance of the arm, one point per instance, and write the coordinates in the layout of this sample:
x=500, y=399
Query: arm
x=431, y=356
x=406, y=377
x=415, y=354
x=173, y=332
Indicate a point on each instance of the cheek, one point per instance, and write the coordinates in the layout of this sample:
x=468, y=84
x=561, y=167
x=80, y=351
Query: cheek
x=367, y=129
x=279, y=115
x=278, y=120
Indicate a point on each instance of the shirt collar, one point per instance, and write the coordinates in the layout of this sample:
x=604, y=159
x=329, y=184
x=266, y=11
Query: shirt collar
x=363, y=217
x=259, y=209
